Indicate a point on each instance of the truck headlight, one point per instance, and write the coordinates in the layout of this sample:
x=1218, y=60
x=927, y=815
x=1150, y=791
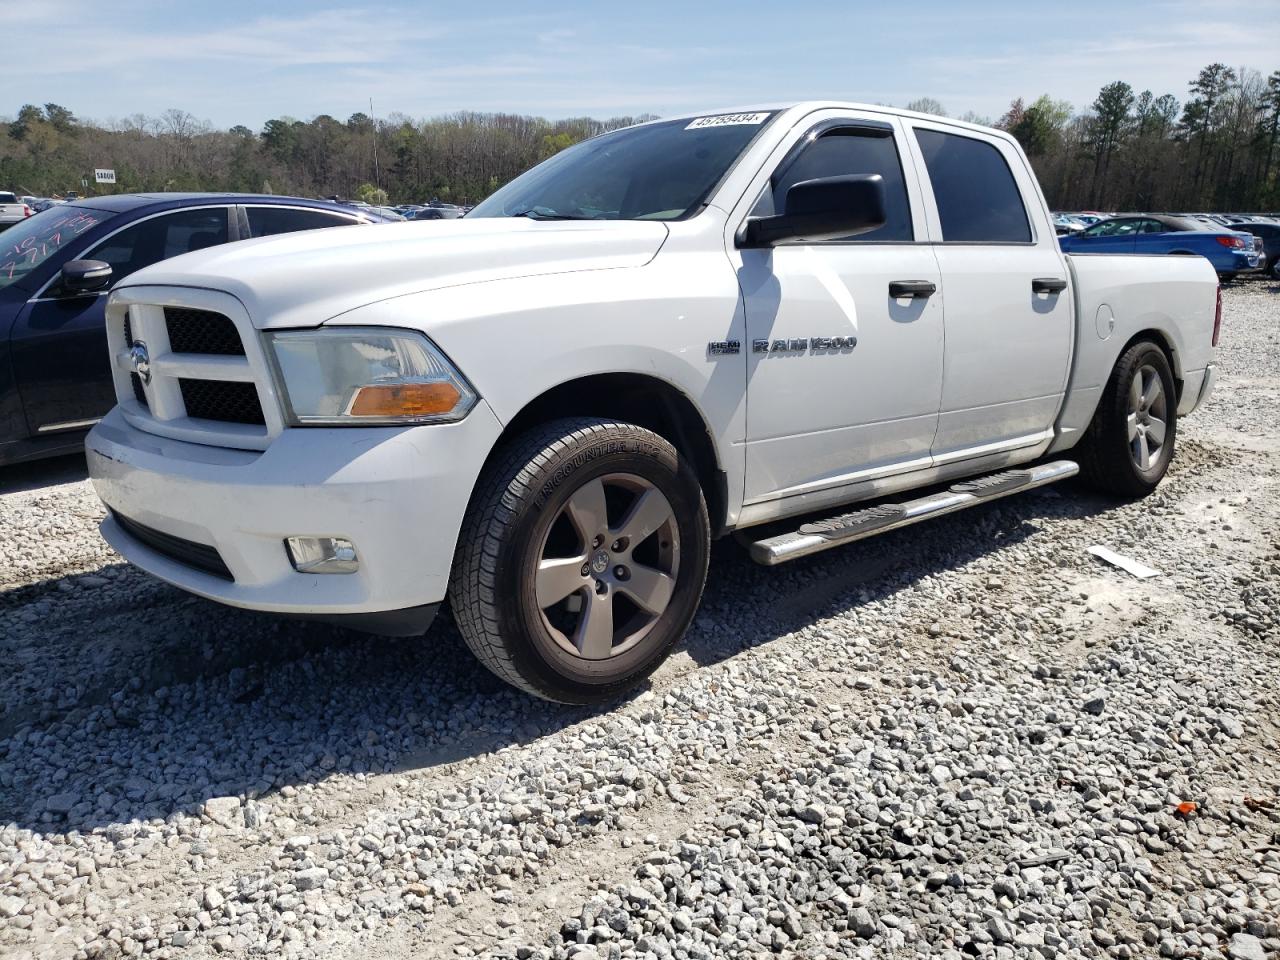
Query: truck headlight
x=367, y=375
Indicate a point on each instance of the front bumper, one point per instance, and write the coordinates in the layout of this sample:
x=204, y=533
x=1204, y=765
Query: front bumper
x=399, y=494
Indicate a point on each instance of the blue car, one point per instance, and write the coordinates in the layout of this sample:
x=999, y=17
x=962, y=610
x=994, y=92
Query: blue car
x=56, y=269
x=1231, y=252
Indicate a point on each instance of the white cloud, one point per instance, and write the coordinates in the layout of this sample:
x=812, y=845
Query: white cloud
x=419, y=59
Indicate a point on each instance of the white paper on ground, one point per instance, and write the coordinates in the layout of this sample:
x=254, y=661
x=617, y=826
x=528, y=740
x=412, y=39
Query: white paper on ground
x=1124, y=563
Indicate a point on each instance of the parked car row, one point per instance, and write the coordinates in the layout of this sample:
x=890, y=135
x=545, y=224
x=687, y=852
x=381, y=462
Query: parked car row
x=432, y=210
x=56, y=269
x=1068, y=223
x=34, y=205
x=1234, y=247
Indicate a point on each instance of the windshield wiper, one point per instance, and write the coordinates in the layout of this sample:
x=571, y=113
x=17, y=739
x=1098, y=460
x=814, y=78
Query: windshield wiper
x=533, y=213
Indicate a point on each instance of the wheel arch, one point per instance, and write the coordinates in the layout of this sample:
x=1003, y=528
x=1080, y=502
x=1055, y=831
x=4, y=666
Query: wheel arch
x=642, y=399
x=1162, y=340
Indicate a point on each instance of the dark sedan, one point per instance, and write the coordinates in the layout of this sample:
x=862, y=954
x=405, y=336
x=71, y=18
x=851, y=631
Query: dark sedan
x=1269, y=231
x=55, y=381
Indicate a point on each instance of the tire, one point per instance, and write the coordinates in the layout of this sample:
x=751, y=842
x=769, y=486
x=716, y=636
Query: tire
x=575, y=499
x=1112, y=451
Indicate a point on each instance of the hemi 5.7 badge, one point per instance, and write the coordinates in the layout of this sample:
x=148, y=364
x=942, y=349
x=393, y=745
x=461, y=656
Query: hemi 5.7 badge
x=719, y=348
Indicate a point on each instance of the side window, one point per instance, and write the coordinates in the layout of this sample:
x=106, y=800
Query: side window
x=1127, y=228
x=266, y=221
x=156, y=239
x=1152, y=226
x=978, y=199
x=842, y=152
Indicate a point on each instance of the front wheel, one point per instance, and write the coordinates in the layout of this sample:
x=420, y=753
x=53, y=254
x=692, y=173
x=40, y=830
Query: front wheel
x=581, y=560
x=1128, y=446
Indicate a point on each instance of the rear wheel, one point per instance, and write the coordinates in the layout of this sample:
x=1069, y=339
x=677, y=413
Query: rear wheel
x=1129, y=444
x=581, y=560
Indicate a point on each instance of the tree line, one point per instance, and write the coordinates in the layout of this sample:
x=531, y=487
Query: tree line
x=1217, y=149
x=462, y=157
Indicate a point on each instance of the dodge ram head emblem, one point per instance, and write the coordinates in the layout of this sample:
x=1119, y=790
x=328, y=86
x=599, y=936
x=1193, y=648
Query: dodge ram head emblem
x=141, y=361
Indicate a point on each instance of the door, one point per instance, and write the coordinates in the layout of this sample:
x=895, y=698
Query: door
x=1009, y=316
x=843, y=376
x=59, y=343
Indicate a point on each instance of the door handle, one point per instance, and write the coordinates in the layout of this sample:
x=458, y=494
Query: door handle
x=916, y=289
x=1048, y=285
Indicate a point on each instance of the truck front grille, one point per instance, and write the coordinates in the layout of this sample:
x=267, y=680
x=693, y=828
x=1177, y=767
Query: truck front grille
x=202, y=331
x=208, y=378
x=223, y=400
x=201, y=556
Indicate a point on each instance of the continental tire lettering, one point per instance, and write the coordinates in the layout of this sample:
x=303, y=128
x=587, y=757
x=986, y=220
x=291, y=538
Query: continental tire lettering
x=583, y=457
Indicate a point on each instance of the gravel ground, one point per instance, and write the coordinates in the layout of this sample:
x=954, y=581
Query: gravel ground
x=967, y=738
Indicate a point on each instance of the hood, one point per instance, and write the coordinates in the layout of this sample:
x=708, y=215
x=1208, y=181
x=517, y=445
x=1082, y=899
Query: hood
x=304, y=279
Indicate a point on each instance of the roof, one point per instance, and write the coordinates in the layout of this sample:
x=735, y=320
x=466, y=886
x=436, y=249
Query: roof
x=123, y=202
x=802, y=107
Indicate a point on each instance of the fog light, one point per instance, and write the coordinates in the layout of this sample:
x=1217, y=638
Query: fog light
x=322, y=555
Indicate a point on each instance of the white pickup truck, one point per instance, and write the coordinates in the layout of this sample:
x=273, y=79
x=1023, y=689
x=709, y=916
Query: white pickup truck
x=12, y=210
x=804, y=325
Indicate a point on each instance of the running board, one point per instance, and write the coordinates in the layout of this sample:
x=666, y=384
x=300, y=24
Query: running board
x=833, y=532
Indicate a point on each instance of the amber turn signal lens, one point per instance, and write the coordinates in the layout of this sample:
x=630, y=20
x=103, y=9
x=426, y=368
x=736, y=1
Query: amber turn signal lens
x=404, y=400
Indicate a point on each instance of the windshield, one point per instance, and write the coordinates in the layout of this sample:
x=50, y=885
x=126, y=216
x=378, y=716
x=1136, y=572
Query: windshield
x=27, y=244
x=658, y=171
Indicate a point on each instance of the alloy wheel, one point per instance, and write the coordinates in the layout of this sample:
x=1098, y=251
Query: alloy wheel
x=1148, y=415
x=607, y=566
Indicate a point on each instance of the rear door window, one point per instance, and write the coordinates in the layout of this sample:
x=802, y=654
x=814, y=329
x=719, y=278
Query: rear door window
x=846, y=151
x=265, y=221
x=978, y=199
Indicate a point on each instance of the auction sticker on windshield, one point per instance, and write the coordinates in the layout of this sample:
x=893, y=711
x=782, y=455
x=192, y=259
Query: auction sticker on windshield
x=729, y=120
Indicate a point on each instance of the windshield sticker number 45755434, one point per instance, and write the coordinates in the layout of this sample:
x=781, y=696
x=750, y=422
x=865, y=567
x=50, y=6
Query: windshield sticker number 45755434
x=728, y=120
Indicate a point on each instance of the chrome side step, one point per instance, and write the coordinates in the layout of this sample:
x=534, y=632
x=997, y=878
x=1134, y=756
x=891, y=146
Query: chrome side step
x=835, y=531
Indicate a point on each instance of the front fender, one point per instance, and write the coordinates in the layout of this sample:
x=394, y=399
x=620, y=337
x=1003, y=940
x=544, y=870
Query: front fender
x=515, y=339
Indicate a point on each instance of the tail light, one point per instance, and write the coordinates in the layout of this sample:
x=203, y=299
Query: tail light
x=26, y=210
x=1217, y=317
x=1235, y=243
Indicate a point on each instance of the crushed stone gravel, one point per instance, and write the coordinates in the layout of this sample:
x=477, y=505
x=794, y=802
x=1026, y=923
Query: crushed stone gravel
x=966, y=738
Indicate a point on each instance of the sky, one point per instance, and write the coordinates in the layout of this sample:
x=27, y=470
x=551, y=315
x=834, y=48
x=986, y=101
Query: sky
x=240, y=62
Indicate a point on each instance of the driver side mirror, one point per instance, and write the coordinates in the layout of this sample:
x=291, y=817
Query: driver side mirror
x=824, y=209
x=85, y=276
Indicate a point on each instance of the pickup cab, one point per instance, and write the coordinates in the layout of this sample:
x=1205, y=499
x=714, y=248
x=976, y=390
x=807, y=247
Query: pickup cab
x=802, y=325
